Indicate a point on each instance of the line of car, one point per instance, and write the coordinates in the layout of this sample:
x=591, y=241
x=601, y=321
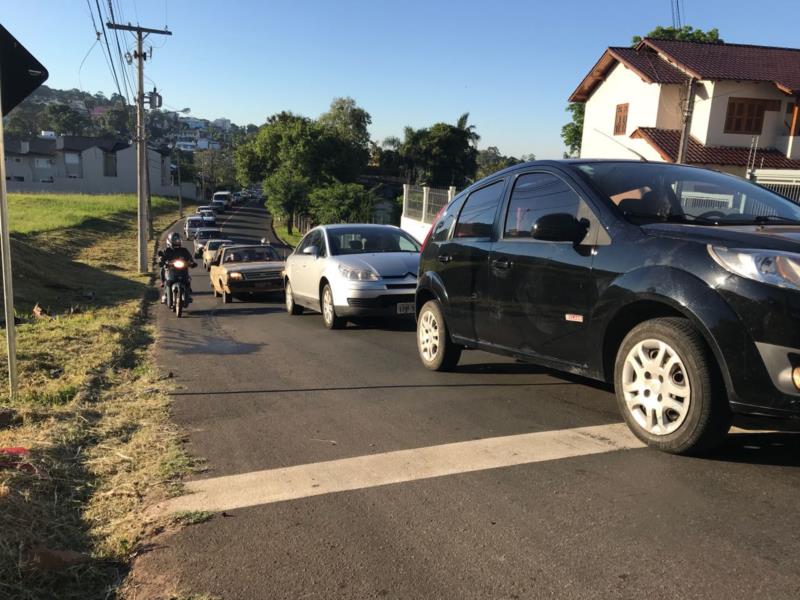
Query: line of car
x=678, y=285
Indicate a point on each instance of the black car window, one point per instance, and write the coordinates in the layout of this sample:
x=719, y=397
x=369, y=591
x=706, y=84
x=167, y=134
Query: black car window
x=477, y=216
x=444, y=225
x=535, y=195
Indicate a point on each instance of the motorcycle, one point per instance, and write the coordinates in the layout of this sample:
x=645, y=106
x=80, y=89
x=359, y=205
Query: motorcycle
x=177, y=285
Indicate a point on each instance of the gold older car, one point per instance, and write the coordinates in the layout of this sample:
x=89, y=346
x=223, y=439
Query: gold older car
x=211, y=250
x=246, y=270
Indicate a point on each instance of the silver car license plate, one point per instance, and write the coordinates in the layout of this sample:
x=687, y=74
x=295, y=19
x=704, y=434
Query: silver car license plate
x=405, y=308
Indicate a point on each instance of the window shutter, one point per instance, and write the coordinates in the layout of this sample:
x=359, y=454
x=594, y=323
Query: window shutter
x=621, y=119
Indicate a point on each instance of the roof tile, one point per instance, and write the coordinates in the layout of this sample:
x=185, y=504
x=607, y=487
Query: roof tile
x=667, y=141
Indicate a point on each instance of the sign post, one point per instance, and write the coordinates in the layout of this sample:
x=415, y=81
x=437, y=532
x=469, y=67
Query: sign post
x=20, y=74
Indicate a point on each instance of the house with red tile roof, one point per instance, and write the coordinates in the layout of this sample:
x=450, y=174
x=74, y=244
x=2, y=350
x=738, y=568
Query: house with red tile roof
x=742, y=101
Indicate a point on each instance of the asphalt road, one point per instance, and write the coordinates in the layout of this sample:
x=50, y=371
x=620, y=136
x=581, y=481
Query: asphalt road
x=263, y=392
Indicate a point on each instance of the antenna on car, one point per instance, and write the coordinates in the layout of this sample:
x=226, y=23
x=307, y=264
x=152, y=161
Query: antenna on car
x=641, y=156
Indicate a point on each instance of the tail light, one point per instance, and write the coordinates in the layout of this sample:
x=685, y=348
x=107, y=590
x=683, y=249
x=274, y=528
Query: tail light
x=430, y=231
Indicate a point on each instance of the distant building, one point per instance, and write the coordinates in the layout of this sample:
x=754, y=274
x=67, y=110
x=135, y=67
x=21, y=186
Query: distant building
x=746, y=104
x=224, y=124
x=85, y=165
x=193, y=122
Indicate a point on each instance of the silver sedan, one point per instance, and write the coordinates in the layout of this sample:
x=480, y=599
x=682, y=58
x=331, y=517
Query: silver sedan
x=350, y=271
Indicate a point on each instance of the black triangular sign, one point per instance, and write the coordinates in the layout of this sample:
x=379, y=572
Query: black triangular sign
x=20, y=72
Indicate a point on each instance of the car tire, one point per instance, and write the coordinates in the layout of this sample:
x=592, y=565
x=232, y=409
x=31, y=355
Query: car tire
x=291, y=307
x=668, y=388
x=436, y=350
x=226, y=297
x=329, y=310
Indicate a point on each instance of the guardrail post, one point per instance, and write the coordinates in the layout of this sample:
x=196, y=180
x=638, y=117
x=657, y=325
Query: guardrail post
x=405, y=198
x=451, y=193
x=425, y=193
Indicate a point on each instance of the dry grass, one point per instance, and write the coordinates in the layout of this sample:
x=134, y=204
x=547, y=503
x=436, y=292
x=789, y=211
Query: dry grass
x=95, y=415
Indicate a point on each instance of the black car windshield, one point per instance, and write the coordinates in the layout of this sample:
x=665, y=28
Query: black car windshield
x=366, y=240
x=651, y=192
x=252, y=254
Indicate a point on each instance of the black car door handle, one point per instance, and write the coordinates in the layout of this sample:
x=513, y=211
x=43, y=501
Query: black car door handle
x=502, y=263
x=445, y=258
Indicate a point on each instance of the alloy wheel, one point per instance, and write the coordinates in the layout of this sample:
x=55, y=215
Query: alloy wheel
x=656, y=387
x=428, y=332
x=327, y=306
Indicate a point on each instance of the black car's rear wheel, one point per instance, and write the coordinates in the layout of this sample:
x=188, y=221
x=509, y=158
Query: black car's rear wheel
x=436, y=350
x=667, y=388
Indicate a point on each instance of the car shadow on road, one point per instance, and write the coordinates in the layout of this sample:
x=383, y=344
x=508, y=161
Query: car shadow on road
x=774, y=448
x=242, y=310
x=525, y=368
x=350, y=388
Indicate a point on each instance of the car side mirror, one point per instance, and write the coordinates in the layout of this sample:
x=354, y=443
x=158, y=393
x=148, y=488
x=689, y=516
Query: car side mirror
x=559, y=227
x=311, y=251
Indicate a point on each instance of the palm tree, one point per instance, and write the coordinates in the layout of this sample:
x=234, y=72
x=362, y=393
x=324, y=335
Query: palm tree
x=470, y=130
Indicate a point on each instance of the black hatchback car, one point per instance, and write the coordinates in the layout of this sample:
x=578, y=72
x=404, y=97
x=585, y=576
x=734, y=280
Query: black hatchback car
x=679, y=285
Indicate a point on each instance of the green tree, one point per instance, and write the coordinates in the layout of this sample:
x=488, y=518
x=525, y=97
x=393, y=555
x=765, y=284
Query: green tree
x=214, y=169
x=117, y=120
x=686, y=33
x=286, y=191
x=491, y=160
x=572, y=132
x=65, y=120
x=440, y=155
x=470, y=130
x=341, y=203
x=348, y=120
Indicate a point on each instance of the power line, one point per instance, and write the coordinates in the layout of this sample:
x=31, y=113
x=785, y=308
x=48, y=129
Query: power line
x=108, y=48
x=125, y=75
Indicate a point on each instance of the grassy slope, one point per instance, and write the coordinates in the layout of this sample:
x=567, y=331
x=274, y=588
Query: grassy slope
x=95, y=411
x=283, y=233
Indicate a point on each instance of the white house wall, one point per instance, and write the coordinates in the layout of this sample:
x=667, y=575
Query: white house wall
x=621, y=86
x=714, y=121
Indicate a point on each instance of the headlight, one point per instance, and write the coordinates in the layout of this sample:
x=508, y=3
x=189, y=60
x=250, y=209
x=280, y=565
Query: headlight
x=358, y=274
x=234, y=275
x=179, y=264
x=773, y=267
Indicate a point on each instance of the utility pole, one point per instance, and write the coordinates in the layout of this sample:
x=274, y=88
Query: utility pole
x=180, y=191
x=686, y=130
x=141, y=143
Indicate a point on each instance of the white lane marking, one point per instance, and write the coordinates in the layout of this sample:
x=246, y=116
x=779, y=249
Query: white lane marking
x=291, y=483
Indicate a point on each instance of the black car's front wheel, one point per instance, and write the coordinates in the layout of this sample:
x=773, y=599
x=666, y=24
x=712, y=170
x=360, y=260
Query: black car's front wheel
x=667, y=388
x=436, y=350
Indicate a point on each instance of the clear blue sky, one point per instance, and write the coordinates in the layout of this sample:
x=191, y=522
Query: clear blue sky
x=511, y=65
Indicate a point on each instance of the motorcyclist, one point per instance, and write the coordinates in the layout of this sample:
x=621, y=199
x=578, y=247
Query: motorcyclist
x=173, y=251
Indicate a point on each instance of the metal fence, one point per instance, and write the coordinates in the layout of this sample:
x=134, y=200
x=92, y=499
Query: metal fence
x=784, y=182
x=423, y=203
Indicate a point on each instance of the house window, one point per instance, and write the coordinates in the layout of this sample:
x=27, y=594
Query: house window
x=72, y=158
x=41, y=163
x=621, y=119
x=109, y=164
x=746, y=115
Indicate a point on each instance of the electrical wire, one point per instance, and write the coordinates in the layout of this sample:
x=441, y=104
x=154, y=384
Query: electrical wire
x=80, y=85
x=108, y=48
